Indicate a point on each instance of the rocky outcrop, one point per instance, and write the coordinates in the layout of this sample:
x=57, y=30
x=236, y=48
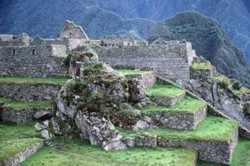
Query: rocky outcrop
x=222, y=98
x=85, y=107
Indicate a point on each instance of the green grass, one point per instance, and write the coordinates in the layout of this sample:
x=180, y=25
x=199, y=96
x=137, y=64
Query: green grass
x=241, y=153
x=74, y=153
x=133, y=71
x=211, y=128
x=18, y=105
x=12, y=147
x=164, y=90
x=187, y=104
x=15, y=138
x=201, y=65
x=19, y=80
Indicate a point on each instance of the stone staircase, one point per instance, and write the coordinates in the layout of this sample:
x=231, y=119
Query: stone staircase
x=183, y=122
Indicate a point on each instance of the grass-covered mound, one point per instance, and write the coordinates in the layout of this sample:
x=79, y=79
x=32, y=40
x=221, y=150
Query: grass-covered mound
x=164, y=90
x=18, y=105
x=187, y=104
x=211, y=128
x=16, y=138
x=75, y=153
x=19, y=80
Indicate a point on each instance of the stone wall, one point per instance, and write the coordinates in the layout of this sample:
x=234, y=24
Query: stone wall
x=33, y=61
x=22, y=115
x=171, y=61
x=202, y=74
x=210, y=151
x=22, y=156
x=27, y=91
x=217, y=151
x=14, y=40
x=179, y=120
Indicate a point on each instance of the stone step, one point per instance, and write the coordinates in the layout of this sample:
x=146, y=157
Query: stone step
x=26, y=88
x=165, y=94
x=145, y=77
x=185, y=114
x=214, y=138
x=22, y=111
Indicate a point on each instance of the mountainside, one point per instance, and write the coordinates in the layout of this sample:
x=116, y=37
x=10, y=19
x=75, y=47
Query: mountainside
x=45, y=18
x=208, y=39
x=233, y=15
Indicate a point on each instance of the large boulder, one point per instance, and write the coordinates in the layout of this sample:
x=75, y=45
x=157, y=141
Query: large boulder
x=90, y=107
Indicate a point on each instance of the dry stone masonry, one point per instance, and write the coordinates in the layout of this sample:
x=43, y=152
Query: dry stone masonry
x=28, y=91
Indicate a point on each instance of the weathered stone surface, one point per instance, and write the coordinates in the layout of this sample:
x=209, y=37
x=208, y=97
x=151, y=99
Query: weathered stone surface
x=99, y=131
x=202, y=74
x=43, y=115
x=146, y=140
x=170, y=60
x=217, y=151
x=44, y=130
x=141, y=125
x=129, y=109
x=129, y=141
x=70, y=30
x=27, y=91
x=179, y=120
x=33, y=61
x=22, y=156
x=77, y=57
x=85, y=104
x=167, y=101
x=21, y=116
x=222, y=98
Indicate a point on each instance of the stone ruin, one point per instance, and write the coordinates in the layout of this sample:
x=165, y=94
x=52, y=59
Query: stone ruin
x=98, y=98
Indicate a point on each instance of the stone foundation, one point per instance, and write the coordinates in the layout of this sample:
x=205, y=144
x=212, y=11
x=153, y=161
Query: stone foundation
x=22, y=156
x=26, y=91
x=179, y=120
x=21, y=116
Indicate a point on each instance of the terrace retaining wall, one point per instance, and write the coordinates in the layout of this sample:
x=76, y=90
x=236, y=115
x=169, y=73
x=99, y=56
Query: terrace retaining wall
x=178, y=120
x=22, y=115
x=22, y=156
x=28, y=91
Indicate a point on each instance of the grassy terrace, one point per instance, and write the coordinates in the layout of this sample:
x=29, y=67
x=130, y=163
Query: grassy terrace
x=16, y=138
x=133, y=71
x=75, y=153
x=201, y=65
x=211, y=128
x=187, y=104
x=16, y=104
x=19, y=80
x=164, y=90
